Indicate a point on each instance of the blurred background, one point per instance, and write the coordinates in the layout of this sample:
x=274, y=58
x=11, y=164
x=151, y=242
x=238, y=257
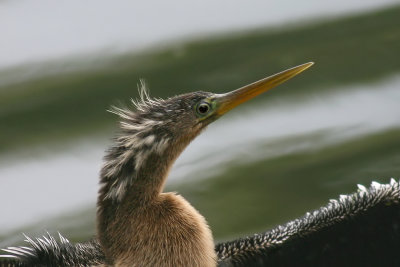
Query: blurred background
x=63, y=63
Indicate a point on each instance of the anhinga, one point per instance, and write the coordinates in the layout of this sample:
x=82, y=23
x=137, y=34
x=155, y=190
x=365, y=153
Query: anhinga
x=139, y=225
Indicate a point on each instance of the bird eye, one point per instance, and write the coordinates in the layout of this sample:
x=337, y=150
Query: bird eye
x=203, y=108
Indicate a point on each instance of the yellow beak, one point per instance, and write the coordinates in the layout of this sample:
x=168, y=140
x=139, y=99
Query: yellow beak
x=232, y=99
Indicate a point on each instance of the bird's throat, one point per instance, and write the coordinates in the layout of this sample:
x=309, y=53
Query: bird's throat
x=132, y=207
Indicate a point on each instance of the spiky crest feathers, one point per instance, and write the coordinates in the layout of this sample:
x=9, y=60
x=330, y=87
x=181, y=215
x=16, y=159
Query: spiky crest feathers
x=134, y=143
x=141, y=104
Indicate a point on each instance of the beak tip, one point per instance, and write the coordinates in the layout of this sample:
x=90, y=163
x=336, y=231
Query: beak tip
x=303, y=67
x=309, y=64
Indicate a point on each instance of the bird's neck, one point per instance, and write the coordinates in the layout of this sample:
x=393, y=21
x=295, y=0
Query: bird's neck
x=134, y=176
x=136, y=168
x=131, y=200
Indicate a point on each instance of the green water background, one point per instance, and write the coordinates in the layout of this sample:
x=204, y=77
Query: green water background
x=245, y=198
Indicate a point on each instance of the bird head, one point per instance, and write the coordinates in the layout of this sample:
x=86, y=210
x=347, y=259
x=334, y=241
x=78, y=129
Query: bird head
x=188, y=114
x=156, y=131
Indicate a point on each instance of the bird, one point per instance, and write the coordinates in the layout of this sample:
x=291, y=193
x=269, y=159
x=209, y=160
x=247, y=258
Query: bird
x=140, y=225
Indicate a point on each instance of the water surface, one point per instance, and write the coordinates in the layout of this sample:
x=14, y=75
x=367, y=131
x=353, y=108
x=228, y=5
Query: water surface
x=265, y=132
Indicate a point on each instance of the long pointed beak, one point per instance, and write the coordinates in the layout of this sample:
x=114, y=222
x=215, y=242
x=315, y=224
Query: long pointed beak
x=232, y=99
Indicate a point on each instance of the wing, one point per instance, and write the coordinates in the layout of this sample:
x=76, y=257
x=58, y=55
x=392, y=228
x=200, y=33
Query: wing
x=361, y=229
x=47, y=251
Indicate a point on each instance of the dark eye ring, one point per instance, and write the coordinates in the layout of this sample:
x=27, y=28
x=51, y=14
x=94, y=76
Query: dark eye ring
x=203, y=108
